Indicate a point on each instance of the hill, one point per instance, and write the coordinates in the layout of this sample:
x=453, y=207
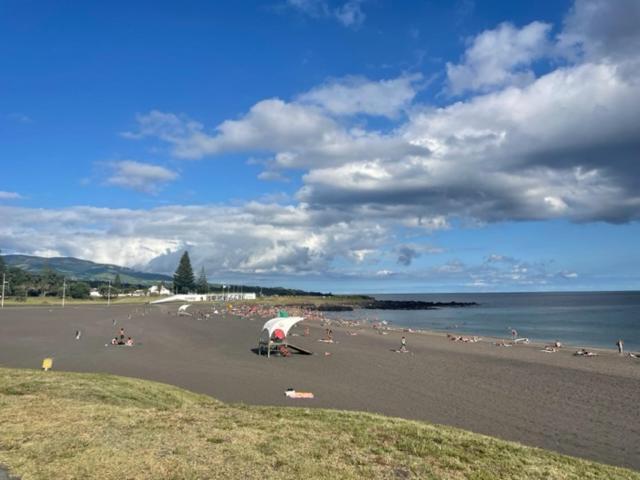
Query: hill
x=77, y=269
x=71, y=425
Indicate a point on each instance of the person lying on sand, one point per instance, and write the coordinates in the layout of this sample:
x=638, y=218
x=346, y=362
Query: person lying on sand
x=129, y=342
x=114, y=341
x=464, y=339
x=585, y=353
x=502, y=343
x=549, y=349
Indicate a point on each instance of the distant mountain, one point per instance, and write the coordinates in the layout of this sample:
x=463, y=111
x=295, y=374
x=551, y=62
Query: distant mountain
x=77, y=269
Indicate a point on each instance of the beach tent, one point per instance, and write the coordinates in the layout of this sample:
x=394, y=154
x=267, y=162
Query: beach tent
x=275, y=331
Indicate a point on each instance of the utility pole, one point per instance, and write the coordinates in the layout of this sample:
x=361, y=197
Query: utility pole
x=3, y=284
x=64, y=290
x=109, y=295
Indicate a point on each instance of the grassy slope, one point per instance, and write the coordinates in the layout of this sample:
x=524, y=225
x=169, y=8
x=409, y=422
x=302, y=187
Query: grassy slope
x=57, y=302
x=83, y=269
x=69, y=425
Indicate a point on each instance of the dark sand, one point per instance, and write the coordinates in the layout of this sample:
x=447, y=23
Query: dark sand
x=587, y=407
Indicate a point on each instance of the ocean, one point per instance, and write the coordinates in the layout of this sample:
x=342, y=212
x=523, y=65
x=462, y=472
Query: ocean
x=596, y=319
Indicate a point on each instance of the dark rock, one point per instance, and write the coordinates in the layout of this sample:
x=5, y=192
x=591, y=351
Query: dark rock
x=413, y=305
x=335, y=308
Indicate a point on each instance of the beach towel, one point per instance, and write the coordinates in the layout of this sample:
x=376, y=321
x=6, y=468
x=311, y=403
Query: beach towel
x=293, y=394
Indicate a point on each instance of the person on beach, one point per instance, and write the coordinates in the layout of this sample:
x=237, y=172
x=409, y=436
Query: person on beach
x=129, y=342
x=78, y=334
x=403, y=345
x=328, y=335
x=514, y=333
x=114, y=341
x=620, y=345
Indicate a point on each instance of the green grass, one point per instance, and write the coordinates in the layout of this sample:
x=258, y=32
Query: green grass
x=55, y=301
x=82, y=426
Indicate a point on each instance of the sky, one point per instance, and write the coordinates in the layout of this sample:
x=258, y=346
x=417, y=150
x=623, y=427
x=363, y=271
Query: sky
x=333, y=145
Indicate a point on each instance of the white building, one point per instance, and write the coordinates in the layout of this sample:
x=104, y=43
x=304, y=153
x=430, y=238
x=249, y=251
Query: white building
x=207, y=297
x=162, y=290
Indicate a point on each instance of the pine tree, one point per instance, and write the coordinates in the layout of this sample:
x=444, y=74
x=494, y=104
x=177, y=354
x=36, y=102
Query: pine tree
x=117, y=283
x=202, y=285
x=183, y=281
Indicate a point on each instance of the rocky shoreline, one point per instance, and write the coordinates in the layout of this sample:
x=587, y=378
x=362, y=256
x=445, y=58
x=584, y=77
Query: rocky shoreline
x=391, y=305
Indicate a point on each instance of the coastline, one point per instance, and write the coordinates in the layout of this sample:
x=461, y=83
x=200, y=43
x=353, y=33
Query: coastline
x=586, y=407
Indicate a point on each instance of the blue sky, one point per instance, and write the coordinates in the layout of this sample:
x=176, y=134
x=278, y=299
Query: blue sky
x=350, y=146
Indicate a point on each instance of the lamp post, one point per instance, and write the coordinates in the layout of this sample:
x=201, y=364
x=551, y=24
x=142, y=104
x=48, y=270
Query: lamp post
x=109, y=295
x=3, y=284
x=64, y=290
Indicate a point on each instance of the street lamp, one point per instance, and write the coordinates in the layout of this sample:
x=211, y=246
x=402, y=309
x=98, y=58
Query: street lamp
x=4, y=282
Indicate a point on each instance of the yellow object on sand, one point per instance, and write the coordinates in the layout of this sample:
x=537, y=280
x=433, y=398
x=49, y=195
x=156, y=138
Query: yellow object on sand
x=47, y=363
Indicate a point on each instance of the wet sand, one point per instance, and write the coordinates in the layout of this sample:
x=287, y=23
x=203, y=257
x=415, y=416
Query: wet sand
x=587, y=407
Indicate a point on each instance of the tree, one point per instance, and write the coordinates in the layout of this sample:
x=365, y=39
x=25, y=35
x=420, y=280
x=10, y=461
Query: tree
x=49, y=281
x=202, y=285
x=79, y=290
x=117, y=283
x=2, y=264
x=183, y=280
x=106, y=292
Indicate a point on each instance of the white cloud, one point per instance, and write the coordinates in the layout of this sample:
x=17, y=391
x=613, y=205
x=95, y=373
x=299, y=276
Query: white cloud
x=561, y=145
x=349, y=14
x=143, y=177
x=9, y=195
x=250, y=239
x=500, y=57
x=602, y=30
x=301, y=135
x=358, y=95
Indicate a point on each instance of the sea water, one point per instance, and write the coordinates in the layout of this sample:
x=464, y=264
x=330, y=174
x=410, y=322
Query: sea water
x=596, y=319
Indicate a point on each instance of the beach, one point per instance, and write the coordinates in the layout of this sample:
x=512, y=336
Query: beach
x=587, y=407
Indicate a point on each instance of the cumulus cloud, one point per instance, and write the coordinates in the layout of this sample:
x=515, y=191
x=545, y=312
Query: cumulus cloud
x=500, y=57
x=602, y=29
x=143, y=177
x=349, y=13
x=358, y=95
x=300, y=135
x=562, y=144
x=255, y=238
x=9, y=195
